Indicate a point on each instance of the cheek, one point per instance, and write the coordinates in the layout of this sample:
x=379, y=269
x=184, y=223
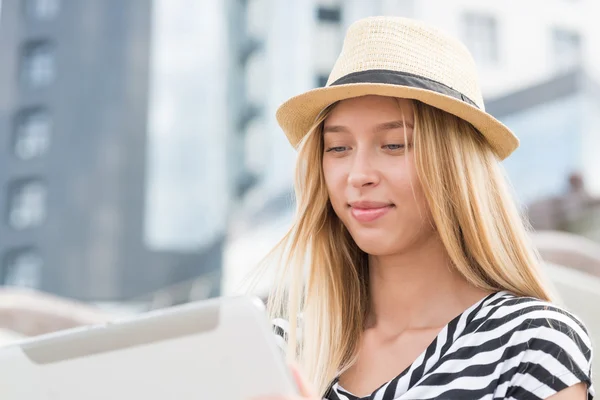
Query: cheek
x=335, y=181
x=407, y=189
x=402, y=180
x=416, y=204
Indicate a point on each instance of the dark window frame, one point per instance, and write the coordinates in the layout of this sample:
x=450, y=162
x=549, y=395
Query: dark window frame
x=19, y=122
x=329, y=14
x=12, y=188
x=11, y=256
x=28, y=49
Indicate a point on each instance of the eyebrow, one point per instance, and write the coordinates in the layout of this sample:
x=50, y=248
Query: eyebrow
x=386, y=126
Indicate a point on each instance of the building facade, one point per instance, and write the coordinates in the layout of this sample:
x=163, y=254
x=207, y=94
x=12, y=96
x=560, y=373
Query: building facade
x=83, y=107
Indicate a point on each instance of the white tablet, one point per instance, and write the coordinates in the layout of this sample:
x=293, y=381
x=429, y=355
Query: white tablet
x=215, y=349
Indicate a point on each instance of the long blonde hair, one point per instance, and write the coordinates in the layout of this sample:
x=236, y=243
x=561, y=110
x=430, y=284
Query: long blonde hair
x=324, y=275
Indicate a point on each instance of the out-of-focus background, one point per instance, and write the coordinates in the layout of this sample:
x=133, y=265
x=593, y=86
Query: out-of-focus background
x=141, y=164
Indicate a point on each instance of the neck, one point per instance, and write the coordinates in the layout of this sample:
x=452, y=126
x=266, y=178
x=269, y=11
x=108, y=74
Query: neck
x=417, y=289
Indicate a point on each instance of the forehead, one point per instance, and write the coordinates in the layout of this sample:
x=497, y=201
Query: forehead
x=371, y=108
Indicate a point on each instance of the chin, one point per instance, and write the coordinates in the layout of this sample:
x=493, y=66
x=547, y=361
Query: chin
x=377, y=245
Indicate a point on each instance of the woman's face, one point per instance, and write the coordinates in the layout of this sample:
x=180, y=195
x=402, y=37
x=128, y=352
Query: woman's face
x=370, y=174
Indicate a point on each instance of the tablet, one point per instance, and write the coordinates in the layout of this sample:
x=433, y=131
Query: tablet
x=220, y=348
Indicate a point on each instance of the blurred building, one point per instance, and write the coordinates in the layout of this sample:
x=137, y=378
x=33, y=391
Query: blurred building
x=555, y=170
x=95, y=204
x=515, y=44
x=558, y=124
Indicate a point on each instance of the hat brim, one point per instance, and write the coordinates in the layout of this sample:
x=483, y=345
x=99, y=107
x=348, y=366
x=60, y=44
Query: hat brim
x=297, y=115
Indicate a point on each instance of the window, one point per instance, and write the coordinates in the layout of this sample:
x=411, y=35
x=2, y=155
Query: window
x=257, y=78
x=250, y=112
x=481, y=37
x=255, y=147
x=405, y=8
x=322, y=80
x=38, y=64
x=42, y=9
x=245, y=182
x=23, y=268
x=257, y=12
x=327, y=41
x=31, y=133
x=26, y=203
x=330, y=14
x=249, y=47
x=566, y=48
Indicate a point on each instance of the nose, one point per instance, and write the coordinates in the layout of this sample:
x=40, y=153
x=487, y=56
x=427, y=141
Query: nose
x=362, y=172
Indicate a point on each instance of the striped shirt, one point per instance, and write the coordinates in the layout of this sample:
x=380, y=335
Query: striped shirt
x=502, y=347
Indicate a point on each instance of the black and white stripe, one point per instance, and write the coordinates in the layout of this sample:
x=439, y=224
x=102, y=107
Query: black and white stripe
x=503, y=347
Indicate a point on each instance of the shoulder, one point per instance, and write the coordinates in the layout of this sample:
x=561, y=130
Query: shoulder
x=546, y=347
x=537, y=318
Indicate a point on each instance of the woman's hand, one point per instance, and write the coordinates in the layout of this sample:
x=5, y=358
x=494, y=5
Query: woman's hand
x=306, y=393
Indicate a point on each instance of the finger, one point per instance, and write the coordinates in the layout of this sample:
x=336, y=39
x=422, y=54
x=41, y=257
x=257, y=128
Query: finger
x=303, y=386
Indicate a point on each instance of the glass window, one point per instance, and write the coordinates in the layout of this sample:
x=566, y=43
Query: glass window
x=566, y=48
x=322, y=80
x=331, y=14
x=31, y=133
x=258, y=12
x=42, y=9
x=256, y=146
x=405, y=8
x=327, y=41
x=480, y=34
x=257, y=78
x=26, y=204
x=23, y=268
x=38, y=63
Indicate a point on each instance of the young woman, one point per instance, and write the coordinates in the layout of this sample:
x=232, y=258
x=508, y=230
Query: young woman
x=409, y=273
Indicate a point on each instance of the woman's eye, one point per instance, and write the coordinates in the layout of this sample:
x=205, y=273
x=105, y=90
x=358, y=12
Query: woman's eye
x=336, y=149
x=394, y=146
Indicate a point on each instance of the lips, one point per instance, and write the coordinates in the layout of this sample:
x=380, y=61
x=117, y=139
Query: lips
x=368, y=211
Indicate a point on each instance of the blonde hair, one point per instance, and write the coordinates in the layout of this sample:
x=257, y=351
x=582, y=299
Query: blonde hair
x=324, y=276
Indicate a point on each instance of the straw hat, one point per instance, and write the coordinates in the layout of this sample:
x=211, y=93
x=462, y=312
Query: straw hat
x=399, y=57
